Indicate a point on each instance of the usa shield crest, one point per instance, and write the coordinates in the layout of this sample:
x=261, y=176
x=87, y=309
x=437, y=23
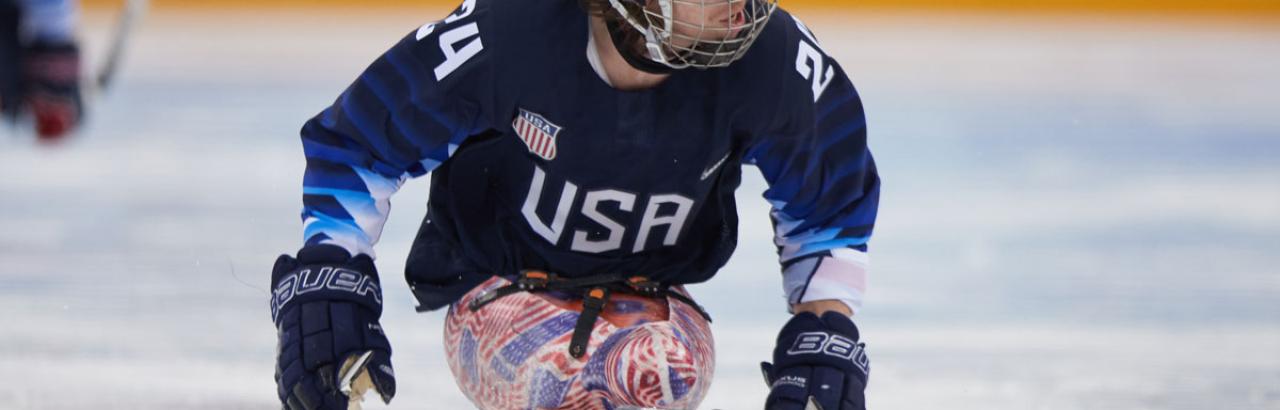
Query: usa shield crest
x=537, y=132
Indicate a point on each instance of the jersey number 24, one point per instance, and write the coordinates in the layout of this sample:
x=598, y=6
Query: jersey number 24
x=459, y=44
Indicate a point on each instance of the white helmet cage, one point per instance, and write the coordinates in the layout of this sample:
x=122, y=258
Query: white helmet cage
x=701, y=40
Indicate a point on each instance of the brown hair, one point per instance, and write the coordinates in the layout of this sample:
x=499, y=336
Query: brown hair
x=599, y=8
x=617, y=22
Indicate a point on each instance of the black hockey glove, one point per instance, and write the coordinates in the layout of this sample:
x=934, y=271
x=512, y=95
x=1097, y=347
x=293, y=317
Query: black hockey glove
x=326, y=306
x=817, y=364
x=52, y=88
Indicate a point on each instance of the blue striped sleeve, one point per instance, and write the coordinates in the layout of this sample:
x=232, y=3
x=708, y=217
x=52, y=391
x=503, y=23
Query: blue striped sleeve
x=824, y=191
x=399, y=119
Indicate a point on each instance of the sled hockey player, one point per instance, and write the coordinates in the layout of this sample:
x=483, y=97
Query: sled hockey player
x=583, y=159
x=40, y=65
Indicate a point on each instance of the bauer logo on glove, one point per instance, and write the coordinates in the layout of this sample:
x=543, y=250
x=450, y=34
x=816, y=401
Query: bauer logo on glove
x=327, y=277
x=831, y=345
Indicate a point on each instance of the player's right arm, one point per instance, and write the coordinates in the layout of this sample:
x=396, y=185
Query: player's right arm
x=401, y=118
x=404, y=115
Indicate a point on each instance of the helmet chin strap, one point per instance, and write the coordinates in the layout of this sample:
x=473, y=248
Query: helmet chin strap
x=628, y=52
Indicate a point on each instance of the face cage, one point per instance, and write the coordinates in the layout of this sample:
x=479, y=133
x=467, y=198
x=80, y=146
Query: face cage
x=706, y=47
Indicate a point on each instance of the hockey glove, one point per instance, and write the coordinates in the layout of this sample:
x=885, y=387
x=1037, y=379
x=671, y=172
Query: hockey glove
x=326, y=306
x=52, y=82
x=817, y=364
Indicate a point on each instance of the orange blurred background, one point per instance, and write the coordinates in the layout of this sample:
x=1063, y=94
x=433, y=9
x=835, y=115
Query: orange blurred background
x=1250, y=8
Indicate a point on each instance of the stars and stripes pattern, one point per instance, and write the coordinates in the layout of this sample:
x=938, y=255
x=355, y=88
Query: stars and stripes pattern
x=537, y=132
x=513, y=354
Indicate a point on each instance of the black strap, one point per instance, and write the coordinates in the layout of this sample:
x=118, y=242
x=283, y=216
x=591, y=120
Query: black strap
x=538, y=281
x=646, y=287
x=489, y=297
x=593, y=302
x=594, y=299
x=686, y=300
x=535, y=281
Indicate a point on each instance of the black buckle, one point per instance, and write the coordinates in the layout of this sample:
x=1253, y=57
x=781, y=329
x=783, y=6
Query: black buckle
x=534, y=280
x=644, y=286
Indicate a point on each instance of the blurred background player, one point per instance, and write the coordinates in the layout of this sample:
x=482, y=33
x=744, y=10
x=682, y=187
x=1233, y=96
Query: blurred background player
x=40, y=65
x=579, y=151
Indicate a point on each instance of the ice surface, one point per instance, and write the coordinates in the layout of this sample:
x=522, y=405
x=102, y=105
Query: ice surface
x=1078, y=214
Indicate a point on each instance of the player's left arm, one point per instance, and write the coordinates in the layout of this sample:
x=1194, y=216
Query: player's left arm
x=825, y=192
x=823, y=186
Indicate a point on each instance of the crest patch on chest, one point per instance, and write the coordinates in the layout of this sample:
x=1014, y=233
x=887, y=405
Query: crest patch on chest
x=537, y=132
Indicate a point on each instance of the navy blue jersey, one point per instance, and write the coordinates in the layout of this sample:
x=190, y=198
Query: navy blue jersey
x=538, y=163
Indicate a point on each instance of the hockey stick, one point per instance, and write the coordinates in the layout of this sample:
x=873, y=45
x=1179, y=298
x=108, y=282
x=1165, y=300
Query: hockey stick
x=129, y=19
x=354, y=380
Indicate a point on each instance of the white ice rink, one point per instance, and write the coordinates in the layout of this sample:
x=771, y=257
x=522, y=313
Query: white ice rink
x=1078, y=213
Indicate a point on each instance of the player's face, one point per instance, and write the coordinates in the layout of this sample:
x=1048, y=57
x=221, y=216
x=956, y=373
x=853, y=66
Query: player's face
x=702, y=33
x=705, y=20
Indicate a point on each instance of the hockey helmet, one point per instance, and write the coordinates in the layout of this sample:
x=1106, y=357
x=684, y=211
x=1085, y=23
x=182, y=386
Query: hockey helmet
x=696, y=33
